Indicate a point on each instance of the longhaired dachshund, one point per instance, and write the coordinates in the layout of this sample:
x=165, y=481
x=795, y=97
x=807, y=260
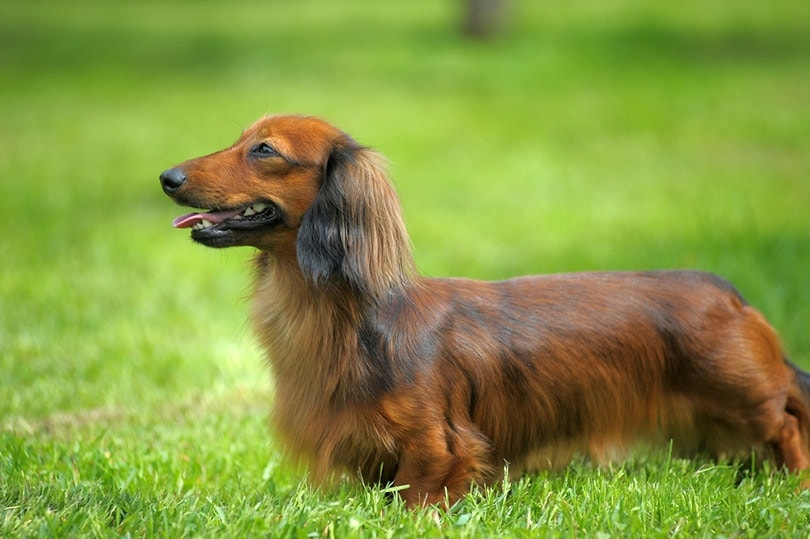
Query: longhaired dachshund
x=432, y=385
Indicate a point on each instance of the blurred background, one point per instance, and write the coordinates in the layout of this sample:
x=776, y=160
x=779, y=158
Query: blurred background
x=566, y=136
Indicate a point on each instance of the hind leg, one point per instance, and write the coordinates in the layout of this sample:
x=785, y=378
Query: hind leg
x=757, y=422
x=790, y=446
x=753, y=392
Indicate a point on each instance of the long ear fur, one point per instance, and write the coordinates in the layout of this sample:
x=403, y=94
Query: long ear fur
x=353, y=231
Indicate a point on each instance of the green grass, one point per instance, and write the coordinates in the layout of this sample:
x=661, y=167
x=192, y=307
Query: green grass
x=610, y=135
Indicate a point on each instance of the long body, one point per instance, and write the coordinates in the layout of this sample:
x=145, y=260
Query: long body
x=435, y=384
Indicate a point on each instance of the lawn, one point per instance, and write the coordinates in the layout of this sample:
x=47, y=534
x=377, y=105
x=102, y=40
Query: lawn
x=610, y=135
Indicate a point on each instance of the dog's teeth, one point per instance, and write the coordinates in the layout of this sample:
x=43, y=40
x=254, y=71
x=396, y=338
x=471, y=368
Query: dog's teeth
x=248, y=211
x=259, y=207
x=203, y=224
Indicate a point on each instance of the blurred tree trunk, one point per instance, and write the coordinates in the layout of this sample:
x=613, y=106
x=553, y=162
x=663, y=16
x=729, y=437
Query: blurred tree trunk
x=484, y=18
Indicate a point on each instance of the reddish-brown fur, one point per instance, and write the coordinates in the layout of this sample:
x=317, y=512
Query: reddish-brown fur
x=437, y=383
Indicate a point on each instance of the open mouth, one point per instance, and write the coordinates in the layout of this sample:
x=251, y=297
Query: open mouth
x=256, y=215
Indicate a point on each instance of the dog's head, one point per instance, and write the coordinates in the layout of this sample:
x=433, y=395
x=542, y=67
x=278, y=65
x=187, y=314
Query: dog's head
x=301, y=189
x=259, y=187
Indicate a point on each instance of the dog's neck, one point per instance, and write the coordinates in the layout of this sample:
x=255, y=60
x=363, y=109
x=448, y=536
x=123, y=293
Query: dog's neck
x=311, y=333
x=298, y=324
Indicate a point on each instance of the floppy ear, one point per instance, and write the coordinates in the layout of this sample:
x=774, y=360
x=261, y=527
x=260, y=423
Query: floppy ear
x=353, y=231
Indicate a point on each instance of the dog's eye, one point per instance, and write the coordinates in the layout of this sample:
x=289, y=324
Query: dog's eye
x=263, y=150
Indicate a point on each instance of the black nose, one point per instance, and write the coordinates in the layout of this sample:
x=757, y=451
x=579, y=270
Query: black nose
x=173, y=179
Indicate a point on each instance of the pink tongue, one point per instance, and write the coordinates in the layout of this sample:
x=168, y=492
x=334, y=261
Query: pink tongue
x=191, y=219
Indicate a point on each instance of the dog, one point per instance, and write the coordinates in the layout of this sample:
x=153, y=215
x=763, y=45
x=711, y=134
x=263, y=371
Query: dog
x=433, y=385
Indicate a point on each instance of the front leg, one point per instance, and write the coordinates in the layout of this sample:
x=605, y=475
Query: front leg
x=441, y=463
